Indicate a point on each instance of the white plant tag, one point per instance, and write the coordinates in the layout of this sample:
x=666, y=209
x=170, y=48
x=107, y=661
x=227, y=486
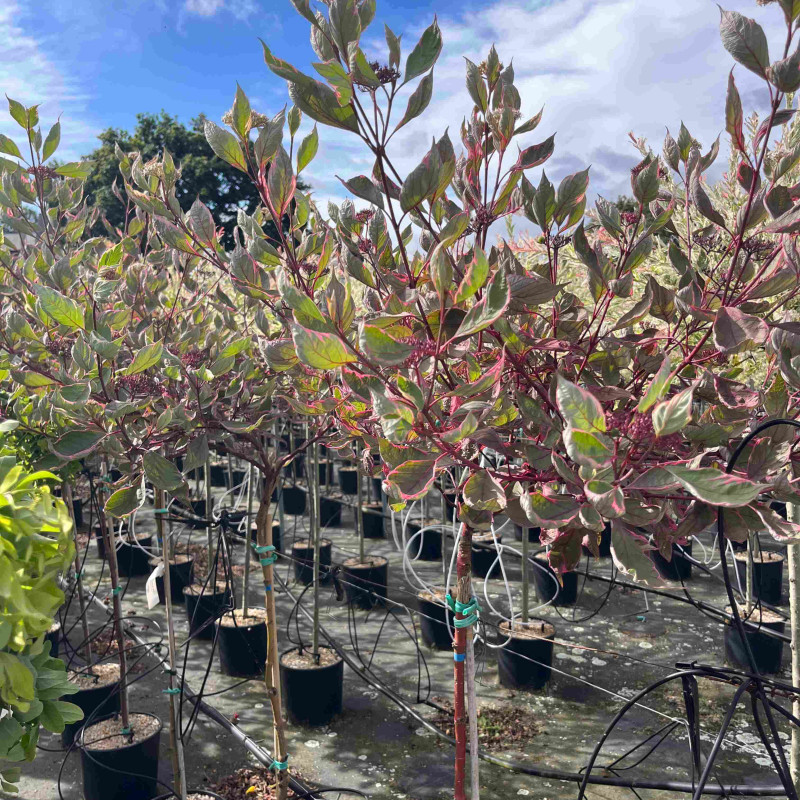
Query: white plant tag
x=150, y=587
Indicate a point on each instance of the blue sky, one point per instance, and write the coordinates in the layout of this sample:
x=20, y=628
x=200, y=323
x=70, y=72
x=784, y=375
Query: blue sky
x=601, y=68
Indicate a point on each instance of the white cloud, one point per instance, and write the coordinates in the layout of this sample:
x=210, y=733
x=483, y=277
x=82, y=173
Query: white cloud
x=29, y=75
x=242, y=10
x=601, y=68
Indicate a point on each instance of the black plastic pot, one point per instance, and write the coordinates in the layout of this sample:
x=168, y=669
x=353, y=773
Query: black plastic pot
x=365, y=584
x=324, y=473
x=679, y=569
x=545, y=579
x=377, y=488
x=101, y=542
x=294, y=501
x=303, y=558
x=204, y=793
x=100, y=700
x=218, y=475
x=348, y=480
x=372, y=516
x=132, y=559
x=54, y=637
x=243, y=649
x=312, y=695
x=238, y=477
x=605, y=543
x=484, y=557
x=277, y=541
x=203, y=609
x=779, y=507
x=129, y=772
x=330, y=512
x=433, y=618
x=533, y=533
x=767, y=650
x=451, y=500
x=427, y=546
x=525, y=662
x=767, y=577
x=77, y=511
x=180, y=576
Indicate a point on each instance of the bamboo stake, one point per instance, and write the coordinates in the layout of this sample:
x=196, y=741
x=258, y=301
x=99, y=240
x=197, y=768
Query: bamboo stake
x=749, y=588
x=359, y=511
x=66, y=491
x=526, y=587
x=116, y=589
x=794, y=616
x=209, y=521
x=463, y=595
x=176, y=744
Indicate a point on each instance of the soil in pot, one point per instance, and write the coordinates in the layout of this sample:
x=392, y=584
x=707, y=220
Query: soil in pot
x=427, y=546
x=548, y=587
x=204, y=605
x=303, y=558
x=678, y=569
x=294, y=501
x=365, y=582
x=767, y=575
x=533, y=533
x=433, y=617
x=348, y=480
x=312, y=692
x=767, y=650
x=372, y=516
x=330, y=512
x=243, y=643
x=117, y=765
x=133, y=556
x=53, y=636
x=98, y=695
x=484, y=557
x=181, y=570
x=526, y=661
x=604, y=543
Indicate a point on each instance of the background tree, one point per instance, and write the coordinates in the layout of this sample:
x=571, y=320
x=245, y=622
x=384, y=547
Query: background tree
x=223, y=188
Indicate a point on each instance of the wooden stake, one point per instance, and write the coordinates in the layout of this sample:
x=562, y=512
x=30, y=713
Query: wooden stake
x=794, y=616
x=66, y=492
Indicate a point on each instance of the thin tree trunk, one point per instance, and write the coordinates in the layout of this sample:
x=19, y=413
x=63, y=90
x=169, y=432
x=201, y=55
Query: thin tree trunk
x=116, y=589
x=794, y=616
x=359, y=518
x=66, y=491
x=749, y=587
x=463, y=595
x=178, y=765
x=272, y=668
x=209, y=522
x=526, y=586
x=315, y=534
x=474, y=762
x=251, y=476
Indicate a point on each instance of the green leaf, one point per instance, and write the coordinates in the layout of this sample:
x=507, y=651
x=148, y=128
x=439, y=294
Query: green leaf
x=321, y=104
x=484, y=493
x=658, y=386
x=163, y=474
x=717, y=488
x=338, y=78
x=474, y=278
x=281, y=183
x=536, y=154
x=76, y=444
x=147, y=357
x=418, y=102
x=587, y=447
x=361, y=186
x=580, y=409
x=549, y=511
x=413, y=479
x=606, y=498
x=225, y=145
x=490, y=308
x=123, y=502
x=320, y=350
x=744, y=39
x=675, y=414
x=8, y=146
x=241, y=112
x=196, y=453
x=425, y=52
x=307, y=150
x=377, y=344
x=63, y=310
x=629, y=551
x=75, y=169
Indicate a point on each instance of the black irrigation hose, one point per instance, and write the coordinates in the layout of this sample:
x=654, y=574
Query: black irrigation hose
x=553, y=774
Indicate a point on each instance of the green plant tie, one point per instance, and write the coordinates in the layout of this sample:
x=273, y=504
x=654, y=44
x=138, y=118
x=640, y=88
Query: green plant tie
x=78, y=575
x=116, y=590
x=469, y=611
x=279, y=765
x=161, y=511
x=126, y=732
x=171, y=691
x=265, y=548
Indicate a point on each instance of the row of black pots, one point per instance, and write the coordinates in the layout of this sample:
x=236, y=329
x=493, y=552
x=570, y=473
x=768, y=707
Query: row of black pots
x=767, y=575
